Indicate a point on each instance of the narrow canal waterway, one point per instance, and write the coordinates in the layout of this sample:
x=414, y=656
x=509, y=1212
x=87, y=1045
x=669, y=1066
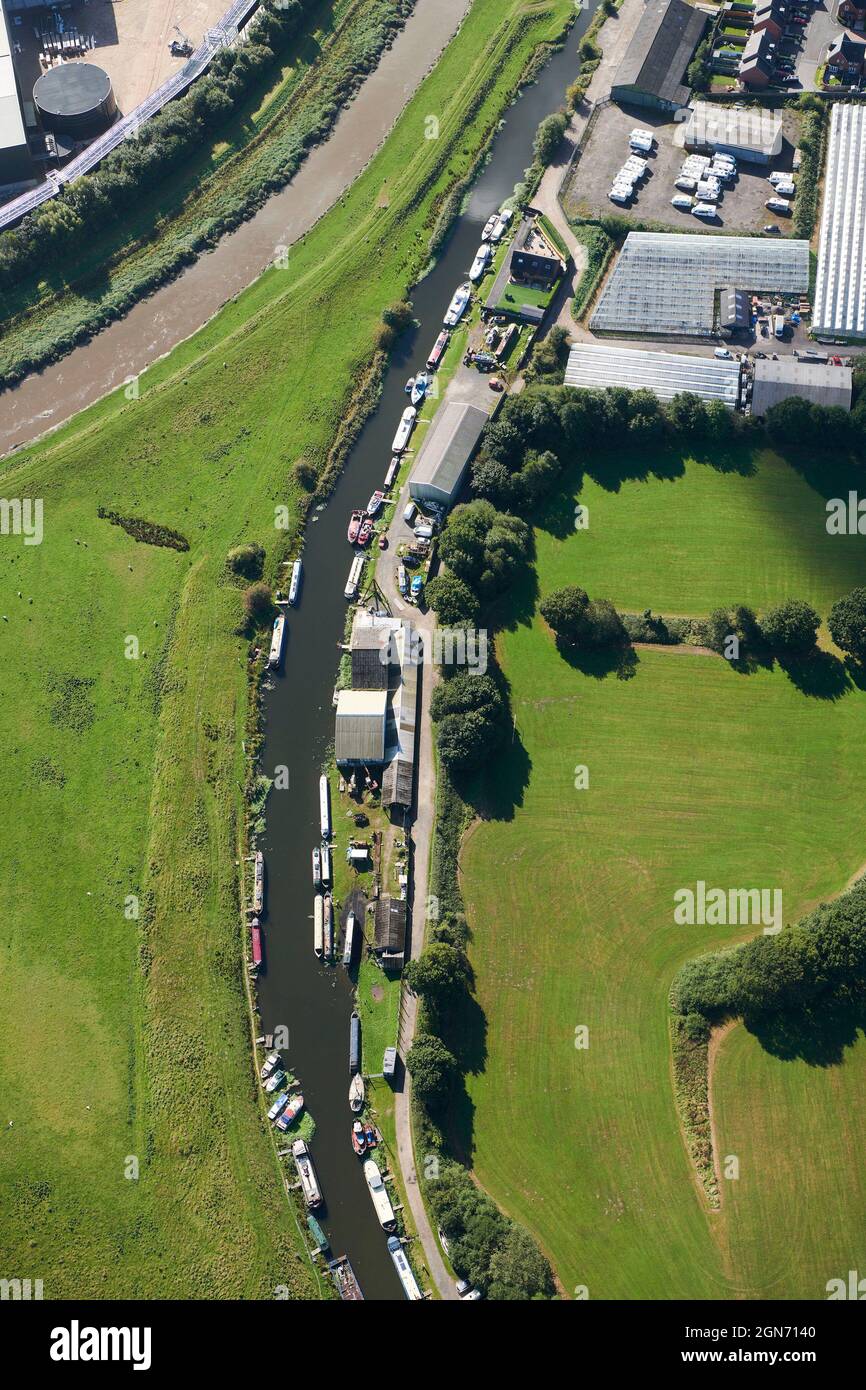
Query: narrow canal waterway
x=313, y=1000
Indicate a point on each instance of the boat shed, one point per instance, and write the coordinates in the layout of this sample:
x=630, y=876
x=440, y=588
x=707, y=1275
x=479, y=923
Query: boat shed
x=752, y=134
x=360, y=727
x=652, y=73
x=15, y=165
x=594, y=368
x=446, y=453
x=819, y=382
x=390, y=931
x=370, y=657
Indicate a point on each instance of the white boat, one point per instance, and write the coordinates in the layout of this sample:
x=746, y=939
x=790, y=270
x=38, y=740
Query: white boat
x=277, y=640
x=307, y=1174
x=317, y=868
x=393, y=468
x=272, y=1060
x=295, y=585
x=457, y=306
x=259, y=884
x=326, y=864
x=325, y=807
x=481, y=262
x=404, y=1269
x=381, y=1200
x=404, y=429
x=420, y=387
x=318, y=924
x=279, y=1105
x=349, y=943
x=489, y=225
x=503, y=222
x=356, y=1093
x=279, y=1078
x=354, y=579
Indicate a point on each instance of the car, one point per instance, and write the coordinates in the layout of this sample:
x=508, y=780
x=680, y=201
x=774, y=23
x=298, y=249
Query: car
x=772, y=227
x=417, y=586
x=495, y=384
x=836, y=361
x=466, y=1291
x=761, y=354
x=723, y=353
x=424, y=532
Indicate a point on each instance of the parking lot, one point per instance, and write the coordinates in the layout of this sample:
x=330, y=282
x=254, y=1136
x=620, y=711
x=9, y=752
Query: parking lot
x=822, y=27
x=741, y=208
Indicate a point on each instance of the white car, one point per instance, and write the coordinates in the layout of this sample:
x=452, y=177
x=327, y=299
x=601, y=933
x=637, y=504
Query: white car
x=706, y=210
x=723, y=353
x=682, y=202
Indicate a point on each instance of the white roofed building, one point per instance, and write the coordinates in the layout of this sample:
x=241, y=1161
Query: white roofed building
x=839, y=306
x=594, y=367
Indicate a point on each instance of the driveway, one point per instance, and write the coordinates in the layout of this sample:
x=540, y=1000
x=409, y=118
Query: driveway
x=822, y=27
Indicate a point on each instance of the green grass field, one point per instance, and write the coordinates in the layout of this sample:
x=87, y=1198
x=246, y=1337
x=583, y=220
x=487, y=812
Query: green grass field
x=689, y=536
x=695, y=772
x=122, y=775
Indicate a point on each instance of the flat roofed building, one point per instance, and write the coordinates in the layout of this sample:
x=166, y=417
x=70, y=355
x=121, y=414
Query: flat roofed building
x=593, y=367
x=748, y=133
x=667, y=284
x=360, y=727
x=15, y=165
x=839, y=307
x=653, y=70
x=446, y=452
x=818, y=382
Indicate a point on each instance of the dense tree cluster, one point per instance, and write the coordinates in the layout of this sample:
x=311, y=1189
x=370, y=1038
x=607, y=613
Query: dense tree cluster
x=471, y=718
x=438, y=974
x=823, y=955
x=581, y=622
x=485, y=548
x=454, y=602
x=498, y=1257
x=847, y=624
x=432, y=1068
x=548, y=137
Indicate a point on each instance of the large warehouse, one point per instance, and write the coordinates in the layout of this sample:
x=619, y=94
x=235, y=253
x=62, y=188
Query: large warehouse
x=840, y=291
x=594, y=368
x=819, y=382
x=752, y=133
x=652, y=73
x=668, y=284
x=446, y=452
x=360, y=727
x=15, y=166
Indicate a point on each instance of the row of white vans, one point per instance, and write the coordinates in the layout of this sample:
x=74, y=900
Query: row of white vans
x=705, y=178
x=640, y=142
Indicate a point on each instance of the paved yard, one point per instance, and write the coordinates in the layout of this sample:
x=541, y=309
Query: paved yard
x=822, y=27
x=742, y=206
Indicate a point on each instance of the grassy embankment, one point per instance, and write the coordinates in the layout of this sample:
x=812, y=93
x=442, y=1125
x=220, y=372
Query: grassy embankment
x=125, y=773
x=696, y=772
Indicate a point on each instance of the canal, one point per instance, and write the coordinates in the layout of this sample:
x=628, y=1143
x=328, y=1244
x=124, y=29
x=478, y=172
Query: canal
x=313, y=1000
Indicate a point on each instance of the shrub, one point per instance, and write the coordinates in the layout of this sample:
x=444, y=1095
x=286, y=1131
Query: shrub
x=847, y=623
x=258, y=604
x=548, y=137
x=791, y=628
x=248, y=561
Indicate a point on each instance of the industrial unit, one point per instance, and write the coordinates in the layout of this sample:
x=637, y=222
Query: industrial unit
x=360, y=728
x=653, y=70
x=594, y=367
x=752, y=134
x=376, y=719
x=667, y=285
x=15, y=165
x=820, y=382
x=446, y=452
x=840, y=289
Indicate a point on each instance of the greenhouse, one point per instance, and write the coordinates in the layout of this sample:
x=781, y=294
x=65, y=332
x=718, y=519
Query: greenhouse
x=667, y=284
x=840, y=290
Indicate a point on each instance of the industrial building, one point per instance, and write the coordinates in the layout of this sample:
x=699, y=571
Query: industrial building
x=819, y=382
x=668, y=285
x=652, y=73
x=15, y=165
x=839, y=306
x=446, y=452
x=594, y=367
x=360, y=728
x=752, y=134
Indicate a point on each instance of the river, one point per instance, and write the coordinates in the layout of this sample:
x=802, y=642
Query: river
x=312, y=999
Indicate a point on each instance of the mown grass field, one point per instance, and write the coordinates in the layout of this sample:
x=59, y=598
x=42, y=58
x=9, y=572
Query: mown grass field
x=695, y=772
x=684, y=537
x=122, y=776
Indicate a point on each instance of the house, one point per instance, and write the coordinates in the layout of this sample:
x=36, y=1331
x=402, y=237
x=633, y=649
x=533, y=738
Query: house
x=846, y=55
x=653, y=70
x=852, y=13
x=534, y=258
x=757, y=62
x=771, y=17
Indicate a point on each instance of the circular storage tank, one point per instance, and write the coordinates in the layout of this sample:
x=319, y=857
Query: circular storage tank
x=75, y=99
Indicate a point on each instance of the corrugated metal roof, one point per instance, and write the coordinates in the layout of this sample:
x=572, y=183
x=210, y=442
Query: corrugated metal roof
x=446, y=451
x=819, y=382
x=360, y=726
x=661, y=50
x=840, y=289
x=12, y=132
x=750, y=129
x=391, y=926
x=666, y=373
